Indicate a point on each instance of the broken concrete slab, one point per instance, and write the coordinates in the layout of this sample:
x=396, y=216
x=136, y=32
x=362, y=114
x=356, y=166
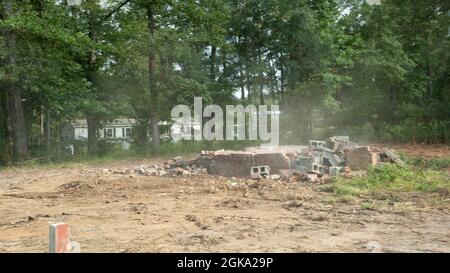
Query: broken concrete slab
x=310, y=177
x=179, y=162
x=238, y=163
x=231, y=164
x=286, y=174
x=390, y=156
x=361, y=158
x=274, y=177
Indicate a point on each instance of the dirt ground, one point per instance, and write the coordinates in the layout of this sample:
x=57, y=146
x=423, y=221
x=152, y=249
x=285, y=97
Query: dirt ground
x=110, y=212
x=424, y=150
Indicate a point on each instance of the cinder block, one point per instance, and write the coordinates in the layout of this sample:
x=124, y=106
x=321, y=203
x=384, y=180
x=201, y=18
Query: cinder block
x=259, y=172
x=318, y=159
x=304, y=164
x=316, y=144
x=329, y=159
x=276, y=160
x=335, y=171
x=338, y=142
x=317, y=168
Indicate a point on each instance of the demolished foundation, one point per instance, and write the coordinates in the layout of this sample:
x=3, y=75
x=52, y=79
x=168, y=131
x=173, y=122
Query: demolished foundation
x=240, y=163
x=334, y=157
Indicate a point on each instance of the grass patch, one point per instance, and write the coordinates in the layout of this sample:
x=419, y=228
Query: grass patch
x=434, y=164
x=391, y=178
x=79, y=160
x=113, y=152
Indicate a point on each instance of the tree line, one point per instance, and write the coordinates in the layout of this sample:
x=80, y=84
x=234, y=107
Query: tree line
x=374, y=72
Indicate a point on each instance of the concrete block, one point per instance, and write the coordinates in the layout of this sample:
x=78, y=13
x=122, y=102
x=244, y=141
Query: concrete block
x=335, y=171
x=257, y=172
x=318, y=159
x=276, y=160
x=329, y=159
x=339, y=159
x=316, y=144
x=319, y=169
x=303, y=164
x=338, y=142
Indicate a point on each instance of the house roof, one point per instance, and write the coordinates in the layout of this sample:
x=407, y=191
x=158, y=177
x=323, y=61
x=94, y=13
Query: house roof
x=115, y=122
x=123, y=122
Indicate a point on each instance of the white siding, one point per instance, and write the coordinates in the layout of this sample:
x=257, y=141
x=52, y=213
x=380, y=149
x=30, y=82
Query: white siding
x=81, y=133
x=119, y=132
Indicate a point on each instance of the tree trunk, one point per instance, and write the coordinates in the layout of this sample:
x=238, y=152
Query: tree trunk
x=16, y=129
x=92, y=124
x=7, y=154
x=261, y=94
x=212, y=63
x=47, y=131
x=261, y=82
x=242, y=83
x=249, y=88
x=153, y=118
x=281, y=97
x=91, y=117
x=141, y=131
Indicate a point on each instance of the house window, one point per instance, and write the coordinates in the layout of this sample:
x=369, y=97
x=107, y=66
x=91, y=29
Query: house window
x=127, y=132
x=109, y=133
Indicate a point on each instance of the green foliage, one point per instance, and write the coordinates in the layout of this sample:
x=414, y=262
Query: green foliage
x=434, y=163
x=395, y=71
x=376, y=73
x=391, y=178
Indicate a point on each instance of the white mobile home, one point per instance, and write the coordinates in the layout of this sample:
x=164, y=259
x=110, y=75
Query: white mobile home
x=117, y=129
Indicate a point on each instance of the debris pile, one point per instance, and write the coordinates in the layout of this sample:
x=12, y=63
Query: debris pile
x=324, y=157
x=243, y=163
x=174, y=167
x=338, y=155
x=334, y=157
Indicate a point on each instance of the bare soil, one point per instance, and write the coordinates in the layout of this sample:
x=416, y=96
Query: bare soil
x=111, y=212
x=424, y=150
